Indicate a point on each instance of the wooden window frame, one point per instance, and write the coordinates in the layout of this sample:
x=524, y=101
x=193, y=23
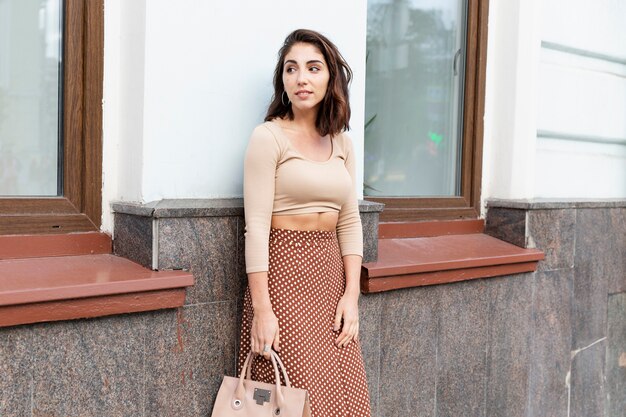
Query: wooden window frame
x=79, y=209
x=467, y=205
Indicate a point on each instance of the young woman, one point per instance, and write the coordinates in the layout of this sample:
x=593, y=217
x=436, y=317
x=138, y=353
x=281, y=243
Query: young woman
x=304, y=241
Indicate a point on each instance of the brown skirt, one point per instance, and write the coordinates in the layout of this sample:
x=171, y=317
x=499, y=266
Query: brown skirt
x=306, y=281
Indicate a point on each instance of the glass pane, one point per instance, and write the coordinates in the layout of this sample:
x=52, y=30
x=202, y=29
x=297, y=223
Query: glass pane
x=414, y=93
x=30, y=86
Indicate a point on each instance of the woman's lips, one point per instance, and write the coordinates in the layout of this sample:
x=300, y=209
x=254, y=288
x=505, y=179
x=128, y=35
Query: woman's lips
x=303, y=94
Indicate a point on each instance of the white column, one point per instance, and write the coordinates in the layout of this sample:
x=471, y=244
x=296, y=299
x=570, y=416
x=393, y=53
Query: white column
x=511, y=99
x=123, y=104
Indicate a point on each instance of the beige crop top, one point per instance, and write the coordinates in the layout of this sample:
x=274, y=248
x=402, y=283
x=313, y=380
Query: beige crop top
x=278, y=180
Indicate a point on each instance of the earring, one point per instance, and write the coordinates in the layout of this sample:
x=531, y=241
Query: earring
x=282, y=99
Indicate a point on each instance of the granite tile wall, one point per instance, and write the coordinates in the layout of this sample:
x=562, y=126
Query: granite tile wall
x=461, y=344
x=596, y=256
x=549, y=343
x=408, y=352
x=165, y=363
x=587, y=386
x=370, y=339
x=617, y=278
x=576, y=369
x=615, y=366
x=554, y=231
x=186, y=354
x=550, y=330
x=507, y=224
x=134, y=238
x=16, y=368
x=208, y=247
x=508, y=349
x=84, y=367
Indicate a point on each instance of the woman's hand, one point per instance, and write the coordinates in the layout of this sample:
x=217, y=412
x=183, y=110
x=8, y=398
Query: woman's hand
x=264, y=332
x=348, y=310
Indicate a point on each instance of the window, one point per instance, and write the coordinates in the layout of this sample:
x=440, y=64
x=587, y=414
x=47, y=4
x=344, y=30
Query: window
x=51, y=56
x=424, y=107
x=29, y=97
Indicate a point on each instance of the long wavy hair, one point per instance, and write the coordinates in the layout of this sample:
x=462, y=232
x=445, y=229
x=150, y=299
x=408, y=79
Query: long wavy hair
x=333, y=115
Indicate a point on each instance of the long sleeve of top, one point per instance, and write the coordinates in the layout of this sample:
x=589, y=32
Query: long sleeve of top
x=278, y=180
x=259, y=173
x=349, y=228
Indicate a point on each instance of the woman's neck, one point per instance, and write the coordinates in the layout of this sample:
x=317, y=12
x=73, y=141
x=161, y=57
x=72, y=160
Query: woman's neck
x=305, y=121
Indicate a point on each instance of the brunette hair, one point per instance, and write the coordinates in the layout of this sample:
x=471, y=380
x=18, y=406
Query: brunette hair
x=333, y=116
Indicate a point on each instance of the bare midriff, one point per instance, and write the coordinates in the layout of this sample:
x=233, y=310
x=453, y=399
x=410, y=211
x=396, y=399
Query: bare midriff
x=309, y=221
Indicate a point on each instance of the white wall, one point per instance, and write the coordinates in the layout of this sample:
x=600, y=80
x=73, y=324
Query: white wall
x=592, y=25
x=555, y=120
x=581, y=144
x=185, y=85
x=510, y=100
x=123, y=98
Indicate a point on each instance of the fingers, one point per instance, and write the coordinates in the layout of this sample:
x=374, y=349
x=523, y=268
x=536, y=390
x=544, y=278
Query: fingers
x=349, y=332
x=277, y=341
x=350, y=328
x=253, y=344
x=266, y=354
x=264, y=334
x=345, y=336
x=337, y=323
x=347, y=312
x=258, y=345
x=271, y=344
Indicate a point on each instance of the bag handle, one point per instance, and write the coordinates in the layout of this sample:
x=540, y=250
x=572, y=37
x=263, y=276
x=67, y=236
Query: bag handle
x=240, y=392
x=282, y=367
x=280, y=363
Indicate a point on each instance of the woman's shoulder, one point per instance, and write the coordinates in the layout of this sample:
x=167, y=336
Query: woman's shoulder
x=265, y=141
x=344, y=142
x=267, y=134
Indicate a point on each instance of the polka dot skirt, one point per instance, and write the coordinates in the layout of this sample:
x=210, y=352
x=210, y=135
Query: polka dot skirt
x=306, y=281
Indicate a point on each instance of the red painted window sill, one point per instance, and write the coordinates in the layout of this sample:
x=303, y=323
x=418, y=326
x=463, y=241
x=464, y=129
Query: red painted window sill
x=428, y=253
x=63, y=277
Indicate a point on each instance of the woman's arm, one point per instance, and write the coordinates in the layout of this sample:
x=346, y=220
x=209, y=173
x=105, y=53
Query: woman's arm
x=259, y=173
x=352, y=266
x=348, y=305
x=349, y=228
x=260, y=164
x=350, y=235
x=265, y=330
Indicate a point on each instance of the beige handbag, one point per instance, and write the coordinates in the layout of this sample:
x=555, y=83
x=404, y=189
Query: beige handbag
x=239, y=397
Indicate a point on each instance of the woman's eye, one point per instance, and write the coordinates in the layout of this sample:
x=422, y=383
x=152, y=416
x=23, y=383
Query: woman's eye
x=290, y=70
x=314, y=69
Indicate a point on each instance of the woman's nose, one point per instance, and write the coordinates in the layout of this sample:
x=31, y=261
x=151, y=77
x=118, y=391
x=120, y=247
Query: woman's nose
x=302, y=78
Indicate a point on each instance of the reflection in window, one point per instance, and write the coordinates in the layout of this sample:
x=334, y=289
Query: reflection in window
x=414, y=93
x=30, y=53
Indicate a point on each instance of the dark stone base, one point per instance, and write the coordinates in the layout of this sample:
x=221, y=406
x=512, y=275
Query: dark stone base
x=529, y=345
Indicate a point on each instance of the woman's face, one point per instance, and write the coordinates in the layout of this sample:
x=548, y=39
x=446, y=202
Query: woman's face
x=305, y=76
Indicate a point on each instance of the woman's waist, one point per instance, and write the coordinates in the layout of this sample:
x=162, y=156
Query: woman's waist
x=293, y=237
x=324, y=221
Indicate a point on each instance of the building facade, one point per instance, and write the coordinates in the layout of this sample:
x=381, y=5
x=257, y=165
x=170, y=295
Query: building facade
x=491, y=148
